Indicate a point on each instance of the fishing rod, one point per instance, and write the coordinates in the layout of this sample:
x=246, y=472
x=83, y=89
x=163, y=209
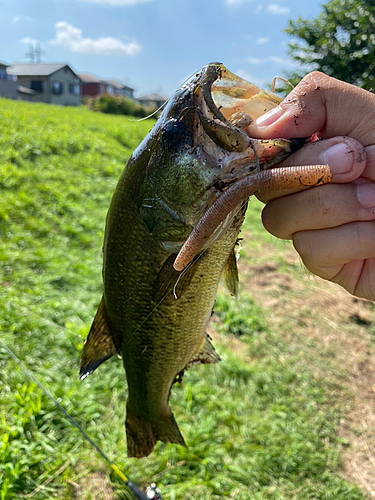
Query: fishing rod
x=152, y=492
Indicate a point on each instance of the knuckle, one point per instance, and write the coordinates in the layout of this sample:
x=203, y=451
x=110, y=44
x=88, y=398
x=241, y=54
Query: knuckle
x=317, y=80
x=309, y=250
x=322, y=204
x=303, y=244
x=271, y=221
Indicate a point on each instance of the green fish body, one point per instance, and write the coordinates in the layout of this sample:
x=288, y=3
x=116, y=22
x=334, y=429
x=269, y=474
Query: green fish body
x=151, y=313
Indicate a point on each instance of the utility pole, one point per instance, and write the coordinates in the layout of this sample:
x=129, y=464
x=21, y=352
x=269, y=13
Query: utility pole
x=34, y=53
x=38, y=53
x=30, y=54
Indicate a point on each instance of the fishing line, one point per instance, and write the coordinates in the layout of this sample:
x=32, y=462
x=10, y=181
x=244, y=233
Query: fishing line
x=153, y=113
x=158, y=304
x=181, y=274
x=256, y=156
x=167, y=101
x=152, y=492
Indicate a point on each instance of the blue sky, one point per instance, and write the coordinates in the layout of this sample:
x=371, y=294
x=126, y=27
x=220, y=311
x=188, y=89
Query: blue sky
x=154, y=45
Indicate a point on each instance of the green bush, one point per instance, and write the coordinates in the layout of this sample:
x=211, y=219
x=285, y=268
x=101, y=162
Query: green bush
x=115, y=105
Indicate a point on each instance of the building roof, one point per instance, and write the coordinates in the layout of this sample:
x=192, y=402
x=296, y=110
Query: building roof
x=86, y=78
x=2, y=63
x=118, y=85
x=35, y=69
x=152, y=97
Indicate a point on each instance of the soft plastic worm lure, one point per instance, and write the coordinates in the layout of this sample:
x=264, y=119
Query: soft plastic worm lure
x=275, y=179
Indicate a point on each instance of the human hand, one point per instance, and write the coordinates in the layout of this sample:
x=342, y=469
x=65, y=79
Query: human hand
x=333, y=226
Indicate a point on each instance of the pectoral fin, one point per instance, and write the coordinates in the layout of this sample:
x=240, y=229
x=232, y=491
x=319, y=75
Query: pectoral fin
x=229, y=277
x=206, y=354
x=99, y=345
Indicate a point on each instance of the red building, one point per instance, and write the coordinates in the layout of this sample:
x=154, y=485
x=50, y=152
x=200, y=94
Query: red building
x=92, y=86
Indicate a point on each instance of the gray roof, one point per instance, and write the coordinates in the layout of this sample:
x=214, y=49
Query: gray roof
x=35, y=69
x=152, y=97
x=86, y=78
x=118, y=85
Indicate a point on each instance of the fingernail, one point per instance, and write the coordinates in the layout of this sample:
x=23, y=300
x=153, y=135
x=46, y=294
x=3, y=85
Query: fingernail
x=270, y=117
x=339, y=158
x=366, y=194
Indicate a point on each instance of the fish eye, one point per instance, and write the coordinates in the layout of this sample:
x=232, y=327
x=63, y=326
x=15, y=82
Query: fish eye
x=172, y=130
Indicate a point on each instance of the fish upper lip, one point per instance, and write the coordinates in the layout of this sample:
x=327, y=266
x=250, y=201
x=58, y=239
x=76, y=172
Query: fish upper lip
x=221, y=131
x=209, y=75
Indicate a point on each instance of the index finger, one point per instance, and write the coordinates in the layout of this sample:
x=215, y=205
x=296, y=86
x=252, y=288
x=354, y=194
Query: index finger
x=320, y=104
x=345, y=157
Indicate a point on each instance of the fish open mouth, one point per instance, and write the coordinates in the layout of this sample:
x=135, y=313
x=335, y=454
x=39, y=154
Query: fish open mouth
x=226, y=105
x=234, y=98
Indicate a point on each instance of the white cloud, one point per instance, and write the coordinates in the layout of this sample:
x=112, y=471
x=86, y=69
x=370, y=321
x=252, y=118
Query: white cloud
x=119, y=3
x=71, y=37
x=278, y=60
x=246, y=76
x=258, y=8
x=29, y=41
x=236, y=2
x=277, y=9
x=267, y=59
x=261, y=40
x=16, y=19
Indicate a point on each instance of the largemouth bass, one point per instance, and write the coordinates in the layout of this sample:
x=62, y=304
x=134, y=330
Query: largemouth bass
x=156, y=314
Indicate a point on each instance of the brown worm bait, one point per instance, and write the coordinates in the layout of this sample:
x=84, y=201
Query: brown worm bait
x=275, y=179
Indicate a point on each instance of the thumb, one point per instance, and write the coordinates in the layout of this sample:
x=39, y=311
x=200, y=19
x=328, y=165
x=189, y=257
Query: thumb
x=320, y=104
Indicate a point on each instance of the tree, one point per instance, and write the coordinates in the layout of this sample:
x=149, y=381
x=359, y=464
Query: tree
x=339, y=42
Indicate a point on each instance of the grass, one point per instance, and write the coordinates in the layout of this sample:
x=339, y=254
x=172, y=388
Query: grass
x=260, y=425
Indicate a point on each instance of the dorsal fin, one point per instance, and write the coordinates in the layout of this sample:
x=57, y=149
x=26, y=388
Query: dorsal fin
x=99, y=345
x=229, y=276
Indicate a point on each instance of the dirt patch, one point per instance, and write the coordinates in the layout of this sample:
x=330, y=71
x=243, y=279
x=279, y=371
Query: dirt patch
x=94, y=485
x=228, y=340
x=341, y=328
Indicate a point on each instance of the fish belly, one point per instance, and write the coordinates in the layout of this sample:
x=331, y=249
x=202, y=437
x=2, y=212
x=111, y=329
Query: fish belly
x=162, y=317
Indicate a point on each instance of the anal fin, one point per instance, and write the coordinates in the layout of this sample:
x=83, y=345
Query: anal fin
x=205, y=355
x=99, y=345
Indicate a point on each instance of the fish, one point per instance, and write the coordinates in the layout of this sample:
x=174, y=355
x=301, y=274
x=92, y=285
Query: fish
x=156, y=304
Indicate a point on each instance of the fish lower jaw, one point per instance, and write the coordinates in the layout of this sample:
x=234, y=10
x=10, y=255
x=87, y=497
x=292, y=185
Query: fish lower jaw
x=264, y=153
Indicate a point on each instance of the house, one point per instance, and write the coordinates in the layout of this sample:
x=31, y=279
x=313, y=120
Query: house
x=117, y=88
x=50, y=83
x=91, y=85
x=152, y=101
x=8, y=83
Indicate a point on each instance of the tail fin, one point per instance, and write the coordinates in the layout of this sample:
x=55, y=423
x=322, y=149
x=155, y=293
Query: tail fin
x=142, y=435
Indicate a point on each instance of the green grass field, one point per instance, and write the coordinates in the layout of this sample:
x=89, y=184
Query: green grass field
x=262, y=424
